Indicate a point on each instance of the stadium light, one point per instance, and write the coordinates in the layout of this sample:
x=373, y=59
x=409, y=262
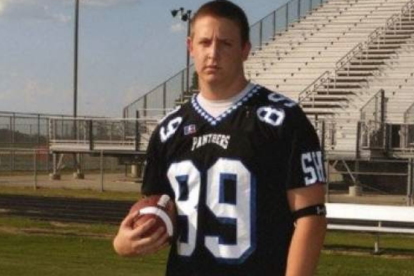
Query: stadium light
x=185, y=16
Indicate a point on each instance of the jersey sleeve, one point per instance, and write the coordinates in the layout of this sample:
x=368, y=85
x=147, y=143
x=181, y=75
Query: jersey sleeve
x=155, y=181
x=305, y=164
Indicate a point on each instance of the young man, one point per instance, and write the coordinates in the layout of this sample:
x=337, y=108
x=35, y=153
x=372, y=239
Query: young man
x=242, y=163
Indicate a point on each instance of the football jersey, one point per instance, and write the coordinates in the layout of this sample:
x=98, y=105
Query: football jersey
x=229, y=177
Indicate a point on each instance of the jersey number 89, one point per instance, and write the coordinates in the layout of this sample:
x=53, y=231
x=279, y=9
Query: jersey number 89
x=185, y=180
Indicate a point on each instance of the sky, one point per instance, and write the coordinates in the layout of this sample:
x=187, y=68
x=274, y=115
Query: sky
x=126, y=48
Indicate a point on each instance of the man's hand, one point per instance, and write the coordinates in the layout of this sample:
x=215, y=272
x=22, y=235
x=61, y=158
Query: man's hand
x=133, y=242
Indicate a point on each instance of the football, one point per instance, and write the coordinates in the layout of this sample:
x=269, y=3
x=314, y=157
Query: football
x=159, y=207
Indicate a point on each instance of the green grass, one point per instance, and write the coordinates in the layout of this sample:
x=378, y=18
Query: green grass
x=392, y=244
x=70, y=193
x=23, y=225
x=338, y=264
x=60, y=255
x=31, y=247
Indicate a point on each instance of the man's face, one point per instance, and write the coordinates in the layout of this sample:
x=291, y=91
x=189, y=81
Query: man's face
x=217, y=50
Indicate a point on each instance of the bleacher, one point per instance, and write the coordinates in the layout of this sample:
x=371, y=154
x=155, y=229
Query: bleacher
x=333, y=57
x=337, y=58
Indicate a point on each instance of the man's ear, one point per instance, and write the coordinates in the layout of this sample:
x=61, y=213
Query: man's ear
x=246, y=50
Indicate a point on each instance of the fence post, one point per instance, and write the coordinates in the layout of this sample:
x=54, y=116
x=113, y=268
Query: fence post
x=35, y=168
x=102, y=171
x=410, y=182
x=164, y=98
x=91, y=145
x=287, y=16
x=358, y=141
x=274, y=24
x=38, y=130
x=145, y=106
x=323, y=137
x=260, y=34
x=182, y=85
x=299, y=4
x=382, y=106
x=327, y=198
x=137, y=133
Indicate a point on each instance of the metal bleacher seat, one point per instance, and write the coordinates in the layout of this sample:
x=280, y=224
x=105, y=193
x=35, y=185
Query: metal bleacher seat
x=365, y=45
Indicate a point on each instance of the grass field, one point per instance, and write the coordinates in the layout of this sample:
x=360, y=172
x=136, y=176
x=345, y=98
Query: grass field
x=107, y=195
x=31, y=247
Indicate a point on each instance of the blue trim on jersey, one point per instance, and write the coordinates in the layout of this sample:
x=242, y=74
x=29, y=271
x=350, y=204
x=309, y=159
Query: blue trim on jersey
x=214, y=121
x=223, y=183
x=253, y=223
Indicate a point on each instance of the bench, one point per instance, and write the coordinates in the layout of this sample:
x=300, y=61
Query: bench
x=371, y=218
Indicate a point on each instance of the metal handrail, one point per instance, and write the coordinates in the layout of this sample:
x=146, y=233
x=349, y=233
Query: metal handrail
x=370, y=100
x=303, y=95
x=408, y=112
x=315, y=84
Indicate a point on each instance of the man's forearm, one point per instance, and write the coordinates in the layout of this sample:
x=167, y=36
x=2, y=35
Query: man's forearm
x=306, y=245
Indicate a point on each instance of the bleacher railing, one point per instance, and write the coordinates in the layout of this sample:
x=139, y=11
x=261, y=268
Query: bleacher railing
x=89, y=135
x=372, y=135
x=374, y=109
x=24, y=130
x=166, y=95
x=344, y=64
x=389, y=137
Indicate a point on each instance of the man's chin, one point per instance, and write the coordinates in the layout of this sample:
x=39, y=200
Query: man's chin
x=212, y=79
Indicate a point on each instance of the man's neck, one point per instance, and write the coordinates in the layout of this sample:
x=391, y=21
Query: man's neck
x=222, y=92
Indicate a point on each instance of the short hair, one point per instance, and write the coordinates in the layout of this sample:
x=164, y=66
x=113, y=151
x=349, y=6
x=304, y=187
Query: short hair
x=228, y=10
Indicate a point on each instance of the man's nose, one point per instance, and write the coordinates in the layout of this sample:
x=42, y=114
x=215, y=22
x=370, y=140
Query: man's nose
x=214, y=50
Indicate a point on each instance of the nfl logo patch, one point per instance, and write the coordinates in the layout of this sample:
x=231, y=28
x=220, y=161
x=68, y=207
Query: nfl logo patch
x=190, y=129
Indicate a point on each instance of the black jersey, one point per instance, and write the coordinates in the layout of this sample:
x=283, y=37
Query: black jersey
x=229, y=177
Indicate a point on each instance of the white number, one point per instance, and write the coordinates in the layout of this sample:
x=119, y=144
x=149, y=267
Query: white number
x=186, y=181
x=171, y=129
x=279, y=98
x=239, y=211
x=312, y=167
x=271, y=115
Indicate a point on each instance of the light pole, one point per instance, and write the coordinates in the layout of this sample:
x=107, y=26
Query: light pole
x=185, y=15
x=78, y=174
x=75, y=63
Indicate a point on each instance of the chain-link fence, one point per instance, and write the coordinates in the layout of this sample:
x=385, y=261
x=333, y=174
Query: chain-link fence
x=23, y=130
x=32, y=168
